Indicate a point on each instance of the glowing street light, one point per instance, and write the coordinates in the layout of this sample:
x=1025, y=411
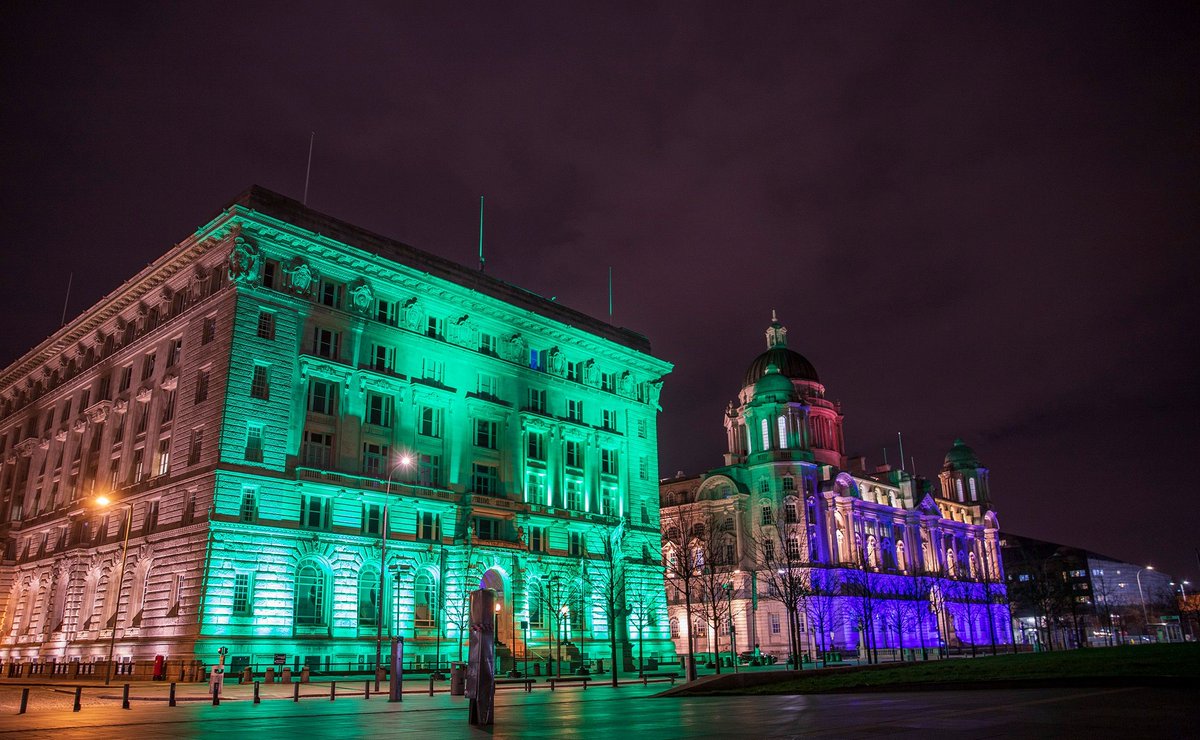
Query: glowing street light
x=102, y=502
x=1142, y=598
x=405, y=462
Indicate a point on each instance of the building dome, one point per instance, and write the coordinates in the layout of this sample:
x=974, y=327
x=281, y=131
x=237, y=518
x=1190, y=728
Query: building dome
x=773, y=383
x=790, y=364
x=960, y=457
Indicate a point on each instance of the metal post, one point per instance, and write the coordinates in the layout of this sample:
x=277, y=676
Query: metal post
x=332, y=690
x=125, y=697
x=256, y=699
x=24, y=701
x=367, y=690
x=387, y=499
x=1142, y=598
x=396, y=688
x=79, y=698
x=216, y=695
x=112, y=641
x=296, y=691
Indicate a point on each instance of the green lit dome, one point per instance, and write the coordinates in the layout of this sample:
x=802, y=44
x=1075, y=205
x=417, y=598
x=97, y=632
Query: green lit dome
x=960, y=457
x=774, y=383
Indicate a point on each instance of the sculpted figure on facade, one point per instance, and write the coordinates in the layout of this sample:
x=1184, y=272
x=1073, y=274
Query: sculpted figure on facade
x=301, y=277
x=414, y=317
x=558, y=363
x=362, y=297
x=245, y=262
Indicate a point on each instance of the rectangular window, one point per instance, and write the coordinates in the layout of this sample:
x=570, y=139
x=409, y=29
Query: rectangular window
x=143, y=416
x=168, y=407
x=767, y=516
x=148, y=366
x=483, y=479
x=194, y=446
x=535, y=487
x=643, y=468
x=775, y=625
x=488, y=385
x=430, y=424
x=314, y=511
x=574, y=410
x=150, y=520
x=575, y=544
x=608, y=382
x=608, y=462
x=574, y=454
x=136, y=472
x=768, y=547
x=536, y=446
x=375, y=457
x=201, y=386
x=429, y=470
x=105, y=387
x=318, y=449
x=330, y=294
x=322, y=397
x=435, y=328
x=254, y=443
x=485, y=434
x=610, y=419
x=573, y=371
x=573, y=495
x=241, y=594
x=487, y=529
x=383, y=358
x=537, y=539
x=174, y=352
x=208, y=330
x=793, y=548
x=487, y=343
x=641, y=428
x=434, y=370
x=386, y=311
x=537, y=400
x=248, y=511
x=379, y=410
x=789, y=512
x=372, y=519
x=429, y=526
x=326, y=343
x=266, y=325
x=259, y=387
x=270, y=274
x=164, y=456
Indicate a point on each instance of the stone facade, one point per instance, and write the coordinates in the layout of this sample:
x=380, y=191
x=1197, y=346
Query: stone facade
x=274, y=394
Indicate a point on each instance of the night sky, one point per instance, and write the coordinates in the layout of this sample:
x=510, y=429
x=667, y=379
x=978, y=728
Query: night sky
x=976, y=220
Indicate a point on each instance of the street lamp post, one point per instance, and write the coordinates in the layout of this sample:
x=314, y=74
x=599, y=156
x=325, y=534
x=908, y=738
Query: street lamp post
x=112, y=640
x=1142, y=598
x=405, y=462
x=732, y=638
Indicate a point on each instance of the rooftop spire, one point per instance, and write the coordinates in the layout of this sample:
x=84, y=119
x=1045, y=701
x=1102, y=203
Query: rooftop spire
x=776, y=333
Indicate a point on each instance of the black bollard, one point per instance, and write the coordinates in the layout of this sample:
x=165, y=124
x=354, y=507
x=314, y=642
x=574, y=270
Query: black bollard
x=366, y=689
x=216, y=696
x=24, y=701
x=332, y=690
x=125, y=697
x=256, y=699
x=171, y=696
x=78, y=699
x=431, y=685
x=296, y=691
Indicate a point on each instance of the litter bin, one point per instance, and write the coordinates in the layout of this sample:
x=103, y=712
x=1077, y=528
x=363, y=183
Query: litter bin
x=458, y=678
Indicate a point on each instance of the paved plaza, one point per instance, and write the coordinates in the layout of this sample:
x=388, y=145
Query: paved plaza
x=631, y=712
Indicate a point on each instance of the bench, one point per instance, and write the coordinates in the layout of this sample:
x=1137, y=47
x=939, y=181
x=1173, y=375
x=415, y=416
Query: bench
x=526, y=682
x=569, y=679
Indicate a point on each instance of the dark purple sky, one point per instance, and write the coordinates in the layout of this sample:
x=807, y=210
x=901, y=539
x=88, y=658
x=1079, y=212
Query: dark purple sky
x=977, y=220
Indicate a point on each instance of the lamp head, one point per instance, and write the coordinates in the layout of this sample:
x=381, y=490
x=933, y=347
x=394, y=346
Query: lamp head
x=103, y=500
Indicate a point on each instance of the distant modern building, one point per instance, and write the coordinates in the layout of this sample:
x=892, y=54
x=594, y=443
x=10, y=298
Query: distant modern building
x=315, y=438
x=1065, y=597
x=873, y=558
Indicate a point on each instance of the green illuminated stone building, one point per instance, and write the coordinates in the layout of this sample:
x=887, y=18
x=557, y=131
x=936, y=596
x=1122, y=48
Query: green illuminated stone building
x=275, y=392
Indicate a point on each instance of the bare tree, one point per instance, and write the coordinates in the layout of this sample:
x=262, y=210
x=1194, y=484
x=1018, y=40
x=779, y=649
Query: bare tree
x=641, y=609
x=715, y=543
x=780, y=554
x=553, y=597
x=607, y=579
x=684, y=557
x=861, y=585
x=914, y=592
x=821, y=605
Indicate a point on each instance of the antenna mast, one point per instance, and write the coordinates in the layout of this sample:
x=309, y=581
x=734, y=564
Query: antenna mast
x=308, y=170
x=67, y=300
x=481, y=261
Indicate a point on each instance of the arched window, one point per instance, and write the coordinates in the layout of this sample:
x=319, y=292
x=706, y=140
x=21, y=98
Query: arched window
x=783, y=440
x=368, y=597
x=424, y=601
x=951, y=564
x=766, y=435
x=674, y=627
x=974, y=493
x=872, y=552
x=901, y=562
x=311, y=589
x=108, y=610
x=971, y=565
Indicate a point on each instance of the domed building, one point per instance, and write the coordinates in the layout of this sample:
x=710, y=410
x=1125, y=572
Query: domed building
x=874, y=561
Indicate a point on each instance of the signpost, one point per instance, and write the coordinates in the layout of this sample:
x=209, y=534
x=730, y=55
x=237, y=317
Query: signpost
x=481, y=660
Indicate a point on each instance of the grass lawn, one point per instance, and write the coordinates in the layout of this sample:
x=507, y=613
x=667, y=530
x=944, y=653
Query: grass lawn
x=1180, y=662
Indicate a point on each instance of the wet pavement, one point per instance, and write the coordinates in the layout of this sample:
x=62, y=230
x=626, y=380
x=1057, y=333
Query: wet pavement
x=628, y=712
